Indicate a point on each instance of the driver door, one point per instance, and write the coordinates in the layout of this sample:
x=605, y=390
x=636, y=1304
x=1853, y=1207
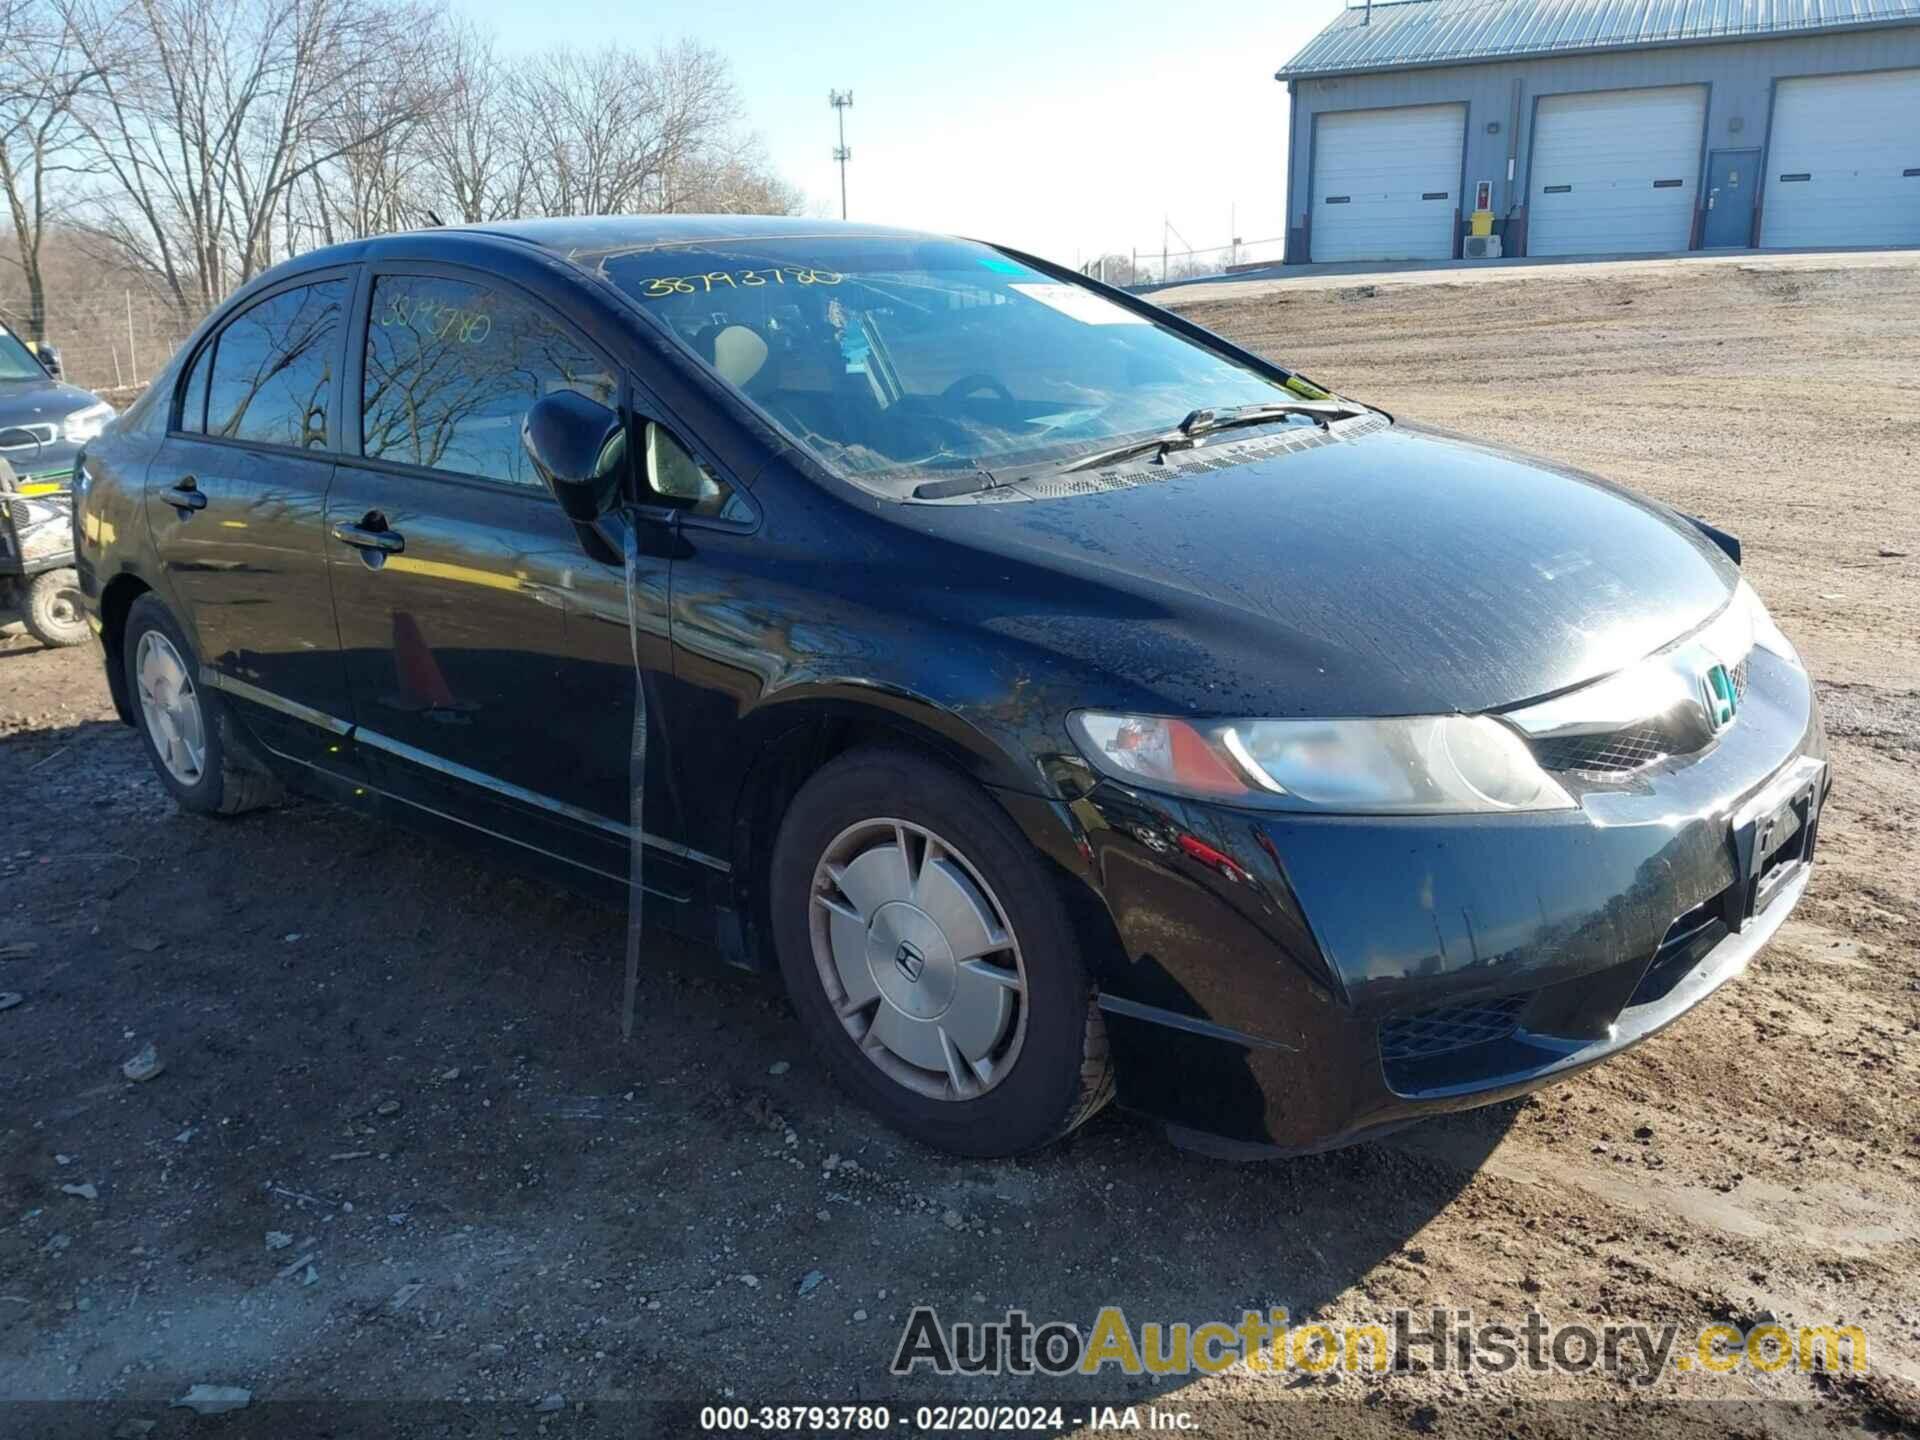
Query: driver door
x=486, y=645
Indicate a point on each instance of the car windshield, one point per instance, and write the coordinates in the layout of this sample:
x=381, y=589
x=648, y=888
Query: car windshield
x=16, y=361
x=895, y=357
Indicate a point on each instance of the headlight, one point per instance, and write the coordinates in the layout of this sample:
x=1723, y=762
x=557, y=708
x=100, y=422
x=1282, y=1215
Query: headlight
x=1421, y=765
x=1766, y=634
x=83, y=425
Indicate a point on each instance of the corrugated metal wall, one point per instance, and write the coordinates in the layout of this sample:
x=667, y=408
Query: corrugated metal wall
x=1412, y=32
x=1740, y=75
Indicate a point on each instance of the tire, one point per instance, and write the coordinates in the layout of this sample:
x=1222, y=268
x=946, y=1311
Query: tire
x=225, y=778
x=869, y=820
x=52, y=612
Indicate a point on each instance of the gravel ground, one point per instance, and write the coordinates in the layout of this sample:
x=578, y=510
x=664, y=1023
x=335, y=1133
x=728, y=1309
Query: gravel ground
x=398, y=1152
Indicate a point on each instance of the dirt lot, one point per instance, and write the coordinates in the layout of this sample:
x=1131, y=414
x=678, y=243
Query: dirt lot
x=404, y=1061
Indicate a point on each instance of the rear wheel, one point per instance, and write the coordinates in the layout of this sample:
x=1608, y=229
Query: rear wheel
x=189, y=733
x=930, y=960
x=52, y=613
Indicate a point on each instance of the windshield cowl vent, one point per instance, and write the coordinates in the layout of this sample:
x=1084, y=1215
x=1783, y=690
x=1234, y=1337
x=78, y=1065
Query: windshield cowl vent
x=1219, y=456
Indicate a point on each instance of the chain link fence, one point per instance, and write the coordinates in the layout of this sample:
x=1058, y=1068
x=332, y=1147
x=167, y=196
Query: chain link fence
x=1160, y=263
x=111, y=341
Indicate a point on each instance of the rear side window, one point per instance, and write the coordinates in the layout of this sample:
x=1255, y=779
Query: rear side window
x=452, y=368
x=273, y=369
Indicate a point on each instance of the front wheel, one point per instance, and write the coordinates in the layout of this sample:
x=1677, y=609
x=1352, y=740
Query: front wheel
x=931, y=961
x=52, y=613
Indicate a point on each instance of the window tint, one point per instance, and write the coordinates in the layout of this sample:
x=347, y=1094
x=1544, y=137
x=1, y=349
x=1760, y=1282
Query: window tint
x=193, y=399
x=452, y=369
x=678, y=478
x=273, y=368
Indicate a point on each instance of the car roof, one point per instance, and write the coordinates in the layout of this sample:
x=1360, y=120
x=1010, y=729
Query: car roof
x=575, y=237
x=585, y=239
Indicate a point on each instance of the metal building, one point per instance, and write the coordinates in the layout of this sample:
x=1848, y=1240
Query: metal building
x=1604, y=127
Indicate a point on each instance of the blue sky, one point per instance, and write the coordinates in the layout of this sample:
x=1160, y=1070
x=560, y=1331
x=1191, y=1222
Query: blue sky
x=1059, y=126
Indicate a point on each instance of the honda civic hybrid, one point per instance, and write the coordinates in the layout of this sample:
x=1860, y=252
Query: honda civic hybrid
x=1069, y=704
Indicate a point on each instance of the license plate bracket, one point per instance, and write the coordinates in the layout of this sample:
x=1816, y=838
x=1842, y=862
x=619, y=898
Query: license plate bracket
x=1773, y=838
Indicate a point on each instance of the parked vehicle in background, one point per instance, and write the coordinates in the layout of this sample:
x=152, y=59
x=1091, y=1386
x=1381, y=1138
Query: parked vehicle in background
x=37, y=579
x=43, y=420
x=43, y=425
x=1064, y=699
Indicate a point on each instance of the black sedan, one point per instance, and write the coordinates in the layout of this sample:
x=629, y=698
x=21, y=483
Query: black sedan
x=1068, y=702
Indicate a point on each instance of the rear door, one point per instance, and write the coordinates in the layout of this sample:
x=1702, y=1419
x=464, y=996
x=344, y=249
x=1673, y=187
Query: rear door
x=485, y=637
x=236, y=499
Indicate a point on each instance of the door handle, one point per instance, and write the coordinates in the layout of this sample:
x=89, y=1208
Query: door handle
x=185, y=496
x=366, y=537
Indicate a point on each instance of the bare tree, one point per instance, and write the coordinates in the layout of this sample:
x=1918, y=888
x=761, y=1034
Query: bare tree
x=468, y=139
x=218, y=110
x=42, y=72
x=612, y=132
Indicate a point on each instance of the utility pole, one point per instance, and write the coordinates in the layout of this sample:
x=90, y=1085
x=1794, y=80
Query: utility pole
x=842, y=101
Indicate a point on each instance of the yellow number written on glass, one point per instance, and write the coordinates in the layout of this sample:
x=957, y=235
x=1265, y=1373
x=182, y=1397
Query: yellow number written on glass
x=665, y=285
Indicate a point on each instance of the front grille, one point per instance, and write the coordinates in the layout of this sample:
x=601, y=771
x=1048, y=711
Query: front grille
x=1612, y=752
x=1434, y=1032
x=42, y=435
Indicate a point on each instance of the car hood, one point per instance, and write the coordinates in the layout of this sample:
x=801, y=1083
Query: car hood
x=1402, y=572
x=34, y=401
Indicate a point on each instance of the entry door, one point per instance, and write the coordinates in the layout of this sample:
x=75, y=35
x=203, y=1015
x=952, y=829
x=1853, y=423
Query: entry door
x=486, y=639
x=1733, y=180
x=235, y=504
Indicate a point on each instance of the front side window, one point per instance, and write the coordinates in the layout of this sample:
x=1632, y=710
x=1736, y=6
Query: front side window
x=453, y=367
x=272, y=375
x=895, y=357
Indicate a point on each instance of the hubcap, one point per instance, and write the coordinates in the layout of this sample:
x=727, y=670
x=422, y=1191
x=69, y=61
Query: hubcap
x=64, y=608
x=171, y=707
x=919, y=960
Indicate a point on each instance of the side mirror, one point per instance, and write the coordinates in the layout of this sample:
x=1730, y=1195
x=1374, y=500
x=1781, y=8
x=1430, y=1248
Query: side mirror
x=579, y=447
x=50, y=358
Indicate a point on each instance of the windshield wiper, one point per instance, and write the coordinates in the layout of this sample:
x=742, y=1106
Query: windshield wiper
x=1205, y=422
x=1182, y=437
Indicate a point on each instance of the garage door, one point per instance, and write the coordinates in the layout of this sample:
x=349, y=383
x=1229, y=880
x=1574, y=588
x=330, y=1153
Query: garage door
x=1843, y=164
x=1616, y=172
x=1386, y=183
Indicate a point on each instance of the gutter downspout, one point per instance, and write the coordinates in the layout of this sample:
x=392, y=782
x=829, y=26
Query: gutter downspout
x=1290, y=254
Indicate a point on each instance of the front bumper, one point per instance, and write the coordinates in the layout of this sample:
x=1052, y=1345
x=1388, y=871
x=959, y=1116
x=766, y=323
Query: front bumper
x=1292, y=983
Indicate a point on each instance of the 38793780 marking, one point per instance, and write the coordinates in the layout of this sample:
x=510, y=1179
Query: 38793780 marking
x=880, y=1419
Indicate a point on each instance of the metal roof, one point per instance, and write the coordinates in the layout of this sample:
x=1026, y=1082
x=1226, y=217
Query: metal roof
x=1452, y=32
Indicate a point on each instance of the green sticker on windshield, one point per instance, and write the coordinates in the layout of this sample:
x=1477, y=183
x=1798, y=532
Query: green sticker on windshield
x=1306, y=389
x=1005, y=267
